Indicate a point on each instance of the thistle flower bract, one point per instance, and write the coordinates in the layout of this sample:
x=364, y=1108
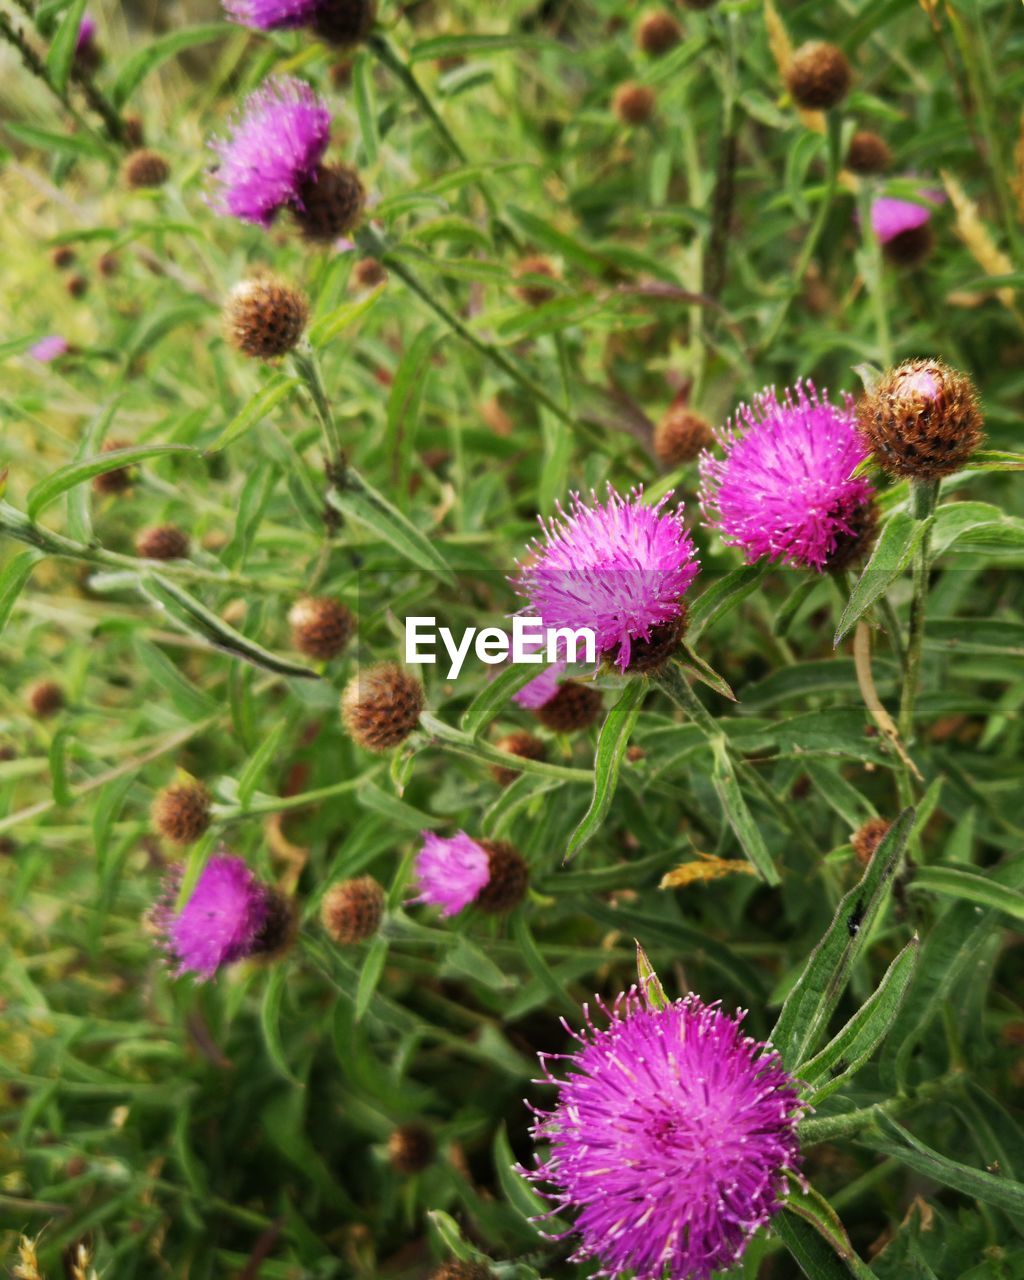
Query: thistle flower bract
x=618, y=567
x=221, y=922
x=903, y=227
x=272, y=15
x=868, y=153
x=450, y=872
x=683, y=1124
x=785, y=488
x=274, y=149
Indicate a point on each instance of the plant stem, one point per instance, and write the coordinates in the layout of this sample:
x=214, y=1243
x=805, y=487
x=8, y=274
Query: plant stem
x=464, y=744
x=924, y=495
x=308, y=368
x=874, y=274
x=725, y=174
x=829, y=1128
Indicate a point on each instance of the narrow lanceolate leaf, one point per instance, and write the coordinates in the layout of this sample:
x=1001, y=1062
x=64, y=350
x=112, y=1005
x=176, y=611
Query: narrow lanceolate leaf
x=721, y=598
x=270, y=1020
x=330, y=325
x=812, y=1207
x=138, y=65
x=59, y=767
x=854, y=1045
x=891, y=556
x=360, y=501
x=61, y=53
x=811, y=1002
x=969, y=886
x=738, y=815
x=811, y=1250
x=611, y=747
x=493, y=696
x=370, y=975
x=263, y=402
x=14, y=576
x=49, y=490
x=259, y=762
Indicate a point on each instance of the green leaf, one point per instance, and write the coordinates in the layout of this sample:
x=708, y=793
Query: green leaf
x=362, y=93
x=648, y=981
x=813, y=1208
x=370, y=975
x=263, y=402
x=812, y=1000
x=811, y=1251
x=538, y=966
x=611, y=748
x=467, y=46
x=329, y=326
x=517, y=1191
x=79, y=146
x=996, y=459
x=270, y=1021
x=361, y=502
x=893, y=552
x=721, y=598
x=16, y=572
x=738, y=815
x=138, y=65
x=705, y=672
x=47, y=491
x=857, y=1041
x=404, y=402
x=259, y=761
x=494, y=695
x=189, y=700
x=61, y=54
x=59, y=768
x=969, y=886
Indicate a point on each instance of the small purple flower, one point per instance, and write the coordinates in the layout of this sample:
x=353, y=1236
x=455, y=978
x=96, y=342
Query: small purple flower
x=275, y=147
x=891, y=217
x=542, y=688
x=670, y=1136
x=49, y=348
x=618, y=567
x=451, y=872
x=272, y=15
x=785, y=488
x=220, y=923
x=86, y=33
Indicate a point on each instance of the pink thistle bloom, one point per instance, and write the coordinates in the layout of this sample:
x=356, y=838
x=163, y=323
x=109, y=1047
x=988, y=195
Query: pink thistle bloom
x=220, y=923
x=785, y=487
x=450, y=872
x=891, y=217
x=275, y=147
x=272, y=15
x=49, y=348
x=617, y=567
x=542, y=688
x=670, y=1136
x=86, y=33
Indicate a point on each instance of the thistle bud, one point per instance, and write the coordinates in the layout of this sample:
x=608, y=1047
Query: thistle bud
x=63, y=257
x=574, y=706
x=633, y=103
x=530, y=292
x=120, y=478
x=507, y=878
x=344, y=22
x=77, y=285
x=681, y=435
x=381, y=707
x=321, y=627
x=457, y=1270
x=351, y=911
x=819, y=76
x=162, y=542
x=134, y=134
x=868, y=153
x=330, y=204
x=411, y=1148
x=922, y=419
x=368, y=273
x=264, y=317
x=108, y=265
x=279, y=927
x=657, y=33
x=181, y=812
x=868, y=837
x=45, y=698
x=525, y=745
x=145, y=169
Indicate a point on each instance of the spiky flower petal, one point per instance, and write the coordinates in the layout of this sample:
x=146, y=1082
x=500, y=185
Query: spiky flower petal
x=272, y=15
x=451, y=872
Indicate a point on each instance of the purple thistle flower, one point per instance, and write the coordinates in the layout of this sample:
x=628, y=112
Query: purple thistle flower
x=275, y=148
x=542, y=688
x=272, y=15
x=50, y=348
x=785, y=488
x=670, y=1136
x=891, y=217
x=220, y=923
x=86, y=33
x=450, y=872
x=618, y=567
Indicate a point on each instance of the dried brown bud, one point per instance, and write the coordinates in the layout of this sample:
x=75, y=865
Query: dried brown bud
x=77, y=285
x=411, y=1148
x=145, y=169
x=120, y=478
x=368, y=273
x=63, y=257
x=344, y=22
x=134, y=134
x=181, y=812
x=922, y=419
x=681, y=435
x=657, y=33
x=521, y=744
x=633, y=103
x=162, y=542
x=264, y=317
x=45, y=698
x=381, y=706
x=530, y=291
x=332, y=204
x=108, y=265
x=574, y=706
x=508, y=877
x=868, y=153
x=352, y=911
x=911, y=247
x=321, y=627
x=819, y=76
x=867, y=839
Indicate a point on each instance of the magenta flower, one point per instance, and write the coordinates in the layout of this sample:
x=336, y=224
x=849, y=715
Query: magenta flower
x=275, y=148
x=618, y=567
x=891, y=217
x=542, y=688
x=452, y=872
x=50, y=348
x=86, y=33
x=669, y=1137
x=220, y=923
x=785, y=487
x=272, y=15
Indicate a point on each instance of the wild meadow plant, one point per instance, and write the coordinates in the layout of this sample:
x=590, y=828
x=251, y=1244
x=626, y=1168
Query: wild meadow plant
x=326, y=323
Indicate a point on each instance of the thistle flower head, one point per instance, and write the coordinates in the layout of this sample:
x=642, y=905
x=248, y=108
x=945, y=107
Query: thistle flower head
x=684, y=1124
x=275, y=146
x=540, y=689
x=451, y=871
x=819, y=76
x=891, y=217
x=272, y=15
x=221, y=922
x=618, y=567
x=785, y=487
x=50, y=348
x=86, y=32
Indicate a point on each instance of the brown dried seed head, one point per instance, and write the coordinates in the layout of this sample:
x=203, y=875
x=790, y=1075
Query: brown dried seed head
x=134, y=134
x=411, y=1148
x=145, y=169
x=352, y=911
x=868, y=153
x=530, y=292
x=181, y=812
x=381, y=706
x=911, y=247
x=633, y=103
x=120, y=478
x=681, y=435
x=368, y=273
x=344, y=22
x=521, y=744
x=45, y=698
x=108, y=265
x=77, y=285
x=321, y=627
x=574, y=706
x=331, y=204
x=63, y=256
x=658, y=32
x=264, y=317
x=922, y=419
x=456, y=1270
x=162, y=542
x=867, y=839
x=819, y=76
x=508, y=878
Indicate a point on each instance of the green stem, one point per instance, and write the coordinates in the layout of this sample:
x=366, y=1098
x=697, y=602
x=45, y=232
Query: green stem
x=466, y=745
x=308, y=368
x=874, y=274
x=924, y=495
x=849, y=1123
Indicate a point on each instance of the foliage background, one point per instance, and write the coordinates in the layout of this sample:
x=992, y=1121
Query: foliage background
x=241, y=1127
